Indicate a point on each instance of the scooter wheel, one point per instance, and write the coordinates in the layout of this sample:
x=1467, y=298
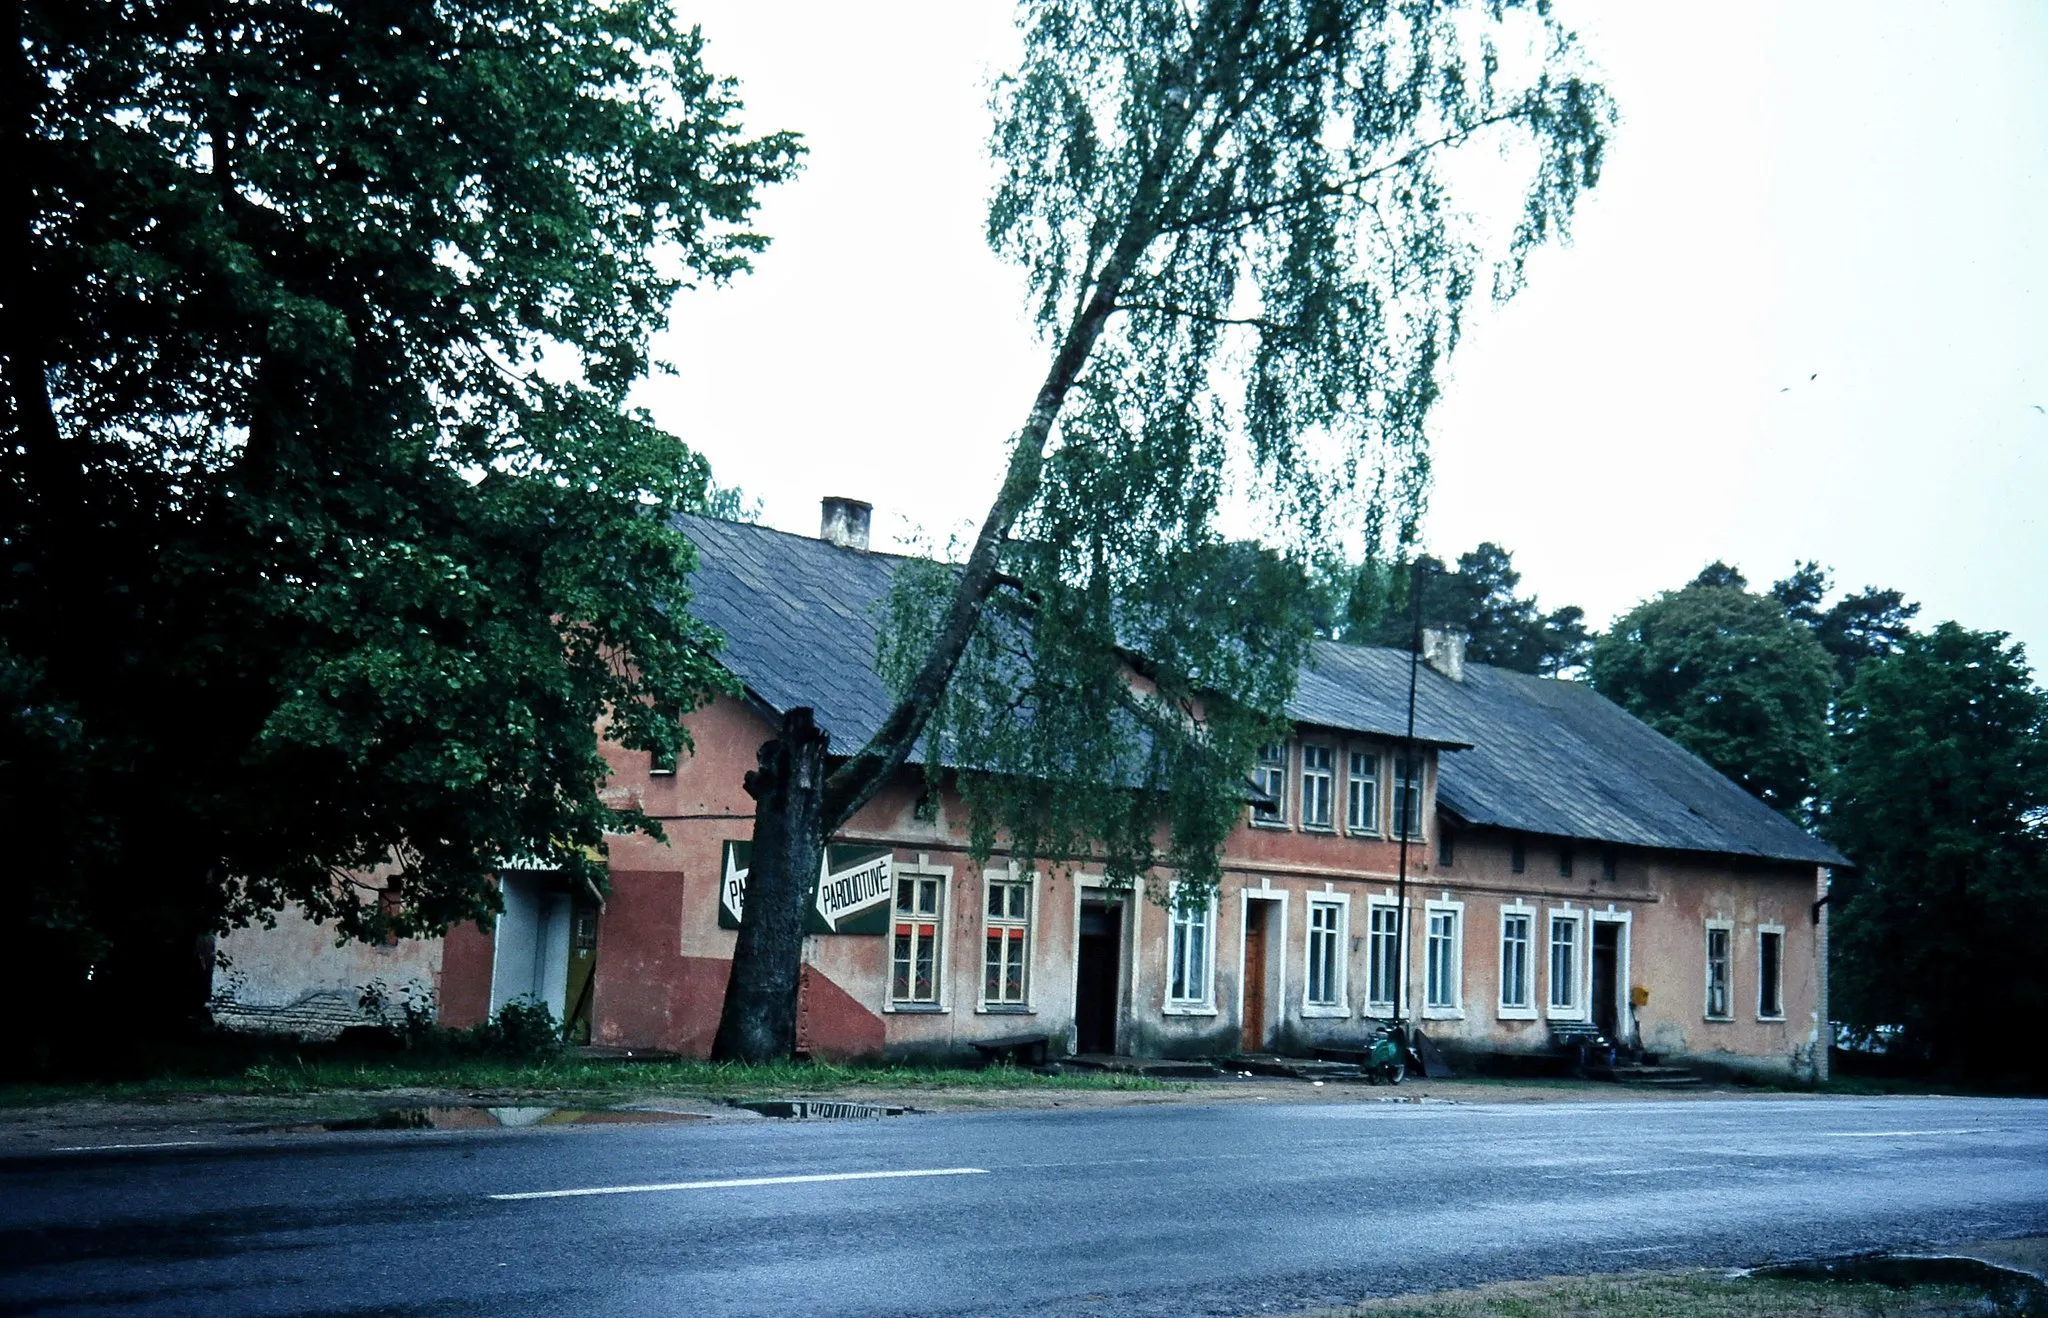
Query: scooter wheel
x=1397, y=1073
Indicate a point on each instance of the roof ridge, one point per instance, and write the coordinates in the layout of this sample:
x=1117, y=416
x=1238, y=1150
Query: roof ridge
x=766, y=529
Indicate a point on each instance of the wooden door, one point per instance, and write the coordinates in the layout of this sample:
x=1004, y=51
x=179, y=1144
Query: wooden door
x=1254, y=1024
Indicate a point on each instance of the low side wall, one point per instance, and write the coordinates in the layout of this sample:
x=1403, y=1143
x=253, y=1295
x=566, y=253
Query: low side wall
x=292, y=978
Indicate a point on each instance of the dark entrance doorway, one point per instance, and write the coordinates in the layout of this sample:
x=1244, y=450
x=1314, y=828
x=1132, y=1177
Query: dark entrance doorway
x=1607, y=978
x=1098, y=967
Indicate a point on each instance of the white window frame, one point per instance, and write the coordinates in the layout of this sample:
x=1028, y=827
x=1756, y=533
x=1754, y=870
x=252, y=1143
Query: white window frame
x=1326, y=777
x=1271, y=776
x=1581, y=1007
x=1383, y=1007
x=1418, y=826
x=1770, y=931
x=1454, y=1010
x=1205, y=1005
x=1029, y=924
x=1727, y=929
x=1352, y=796
x=942, y=1000
x=1527, y=1009
x=1341, y=903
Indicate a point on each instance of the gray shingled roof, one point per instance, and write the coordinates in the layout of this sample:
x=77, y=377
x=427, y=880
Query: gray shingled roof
x=1541, y=756
x=1558, y=758
x=799, y=618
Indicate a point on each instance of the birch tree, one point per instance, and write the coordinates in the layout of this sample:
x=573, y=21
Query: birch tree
x=1251, y=231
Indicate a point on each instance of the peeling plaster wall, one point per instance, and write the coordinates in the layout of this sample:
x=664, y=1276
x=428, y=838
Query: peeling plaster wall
x=292, y=979
x=663, y=961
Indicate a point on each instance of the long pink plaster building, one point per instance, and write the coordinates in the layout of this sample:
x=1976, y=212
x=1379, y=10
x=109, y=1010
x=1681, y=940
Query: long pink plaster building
x=1567, y=865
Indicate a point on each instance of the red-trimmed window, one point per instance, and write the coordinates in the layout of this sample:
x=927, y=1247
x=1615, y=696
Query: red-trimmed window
x=917, y=968
x=1006, y=955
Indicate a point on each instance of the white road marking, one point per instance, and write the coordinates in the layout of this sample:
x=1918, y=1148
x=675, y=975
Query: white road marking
x=1898, y=1134
x=98, y=1148
x=743, y=1181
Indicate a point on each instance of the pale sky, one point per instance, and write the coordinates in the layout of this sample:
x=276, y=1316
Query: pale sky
x=1805, y=314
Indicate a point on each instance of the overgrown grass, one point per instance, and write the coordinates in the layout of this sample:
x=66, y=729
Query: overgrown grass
x=314, y=1070
x=1680, y=1295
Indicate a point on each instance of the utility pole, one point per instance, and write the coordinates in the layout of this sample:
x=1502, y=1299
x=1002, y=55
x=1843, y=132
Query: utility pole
x=1402, y=823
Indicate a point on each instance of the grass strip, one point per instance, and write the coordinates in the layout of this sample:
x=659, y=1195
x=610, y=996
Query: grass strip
x=1689, y=1294
x=313, y=1073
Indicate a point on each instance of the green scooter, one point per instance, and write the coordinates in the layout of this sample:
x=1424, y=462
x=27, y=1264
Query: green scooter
x=1386, y=1057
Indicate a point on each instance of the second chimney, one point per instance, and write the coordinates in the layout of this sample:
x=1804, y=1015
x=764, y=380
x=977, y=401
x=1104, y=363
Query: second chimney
x=844, y=522
x=1444, y=650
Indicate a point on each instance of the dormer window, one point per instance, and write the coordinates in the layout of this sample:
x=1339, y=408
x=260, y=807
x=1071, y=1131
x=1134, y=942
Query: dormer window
x=1271, y=778
x=1318, y=786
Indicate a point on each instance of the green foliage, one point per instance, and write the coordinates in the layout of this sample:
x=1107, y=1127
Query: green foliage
x=1728, y=676
x=325, y=522
x=1372, y=603
x=1247, y=245
x=1869, y=624
x=1941, y=798
x=524, y=1028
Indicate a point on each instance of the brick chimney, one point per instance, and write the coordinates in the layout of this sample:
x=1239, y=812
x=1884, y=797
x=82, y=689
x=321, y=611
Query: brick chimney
x=844, y=522
x=1444, y=650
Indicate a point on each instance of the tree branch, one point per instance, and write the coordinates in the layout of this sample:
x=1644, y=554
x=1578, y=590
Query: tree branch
x=1256, y=322
x=856, y=781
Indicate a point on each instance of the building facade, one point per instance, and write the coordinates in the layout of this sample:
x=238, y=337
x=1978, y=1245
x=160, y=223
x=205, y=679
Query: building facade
x=1565, y=865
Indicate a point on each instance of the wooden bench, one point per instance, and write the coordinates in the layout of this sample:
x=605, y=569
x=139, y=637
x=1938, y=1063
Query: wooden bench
x=1026, y=1050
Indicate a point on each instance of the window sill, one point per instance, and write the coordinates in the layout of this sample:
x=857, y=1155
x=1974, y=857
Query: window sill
x=1443, y=1013
x=1005, y=1009
x=1718, y=1020
x=1383, y=1010
x=1326, y=830
x=1566, y=1013
x=1278, y=825
x=1770, y=1020
x=917, y=1008
x=1189, y=1009
x=1324, y=1011
x=1517, y=1013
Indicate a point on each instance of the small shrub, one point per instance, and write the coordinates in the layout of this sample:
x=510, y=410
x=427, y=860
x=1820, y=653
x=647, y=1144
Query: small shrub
x=525, y=1028
x=409, y=1013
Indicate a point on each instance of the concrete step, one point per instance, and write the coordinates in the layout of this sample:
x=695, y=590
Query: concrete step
x=1668, y=1077
x=1158, y=1068
x=1293, y=1068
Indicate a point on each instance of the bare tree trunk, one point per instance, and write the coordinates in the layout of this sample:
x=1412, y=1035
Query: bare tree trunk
x=758, y=1023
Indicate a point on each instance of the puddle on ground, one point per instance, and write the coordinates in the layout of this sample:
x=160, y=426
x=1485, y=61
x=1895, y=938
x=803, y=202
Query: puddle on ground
x=811, y=1109
x=483, y=1118
x=2012, y=1292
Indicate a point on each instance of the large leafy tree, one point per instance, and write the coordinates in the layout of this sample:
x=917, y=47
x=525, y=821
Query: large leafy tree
x=1868, y=624
x=1372, y=603
x=325, y=524
x=1251, y=229
x=1941, y=799
x=1727, y=675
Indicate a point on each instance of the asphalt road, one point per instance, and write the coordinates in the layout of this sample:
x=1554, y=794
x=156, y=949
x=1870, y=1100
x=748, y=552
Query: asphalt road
x=1172, y=1209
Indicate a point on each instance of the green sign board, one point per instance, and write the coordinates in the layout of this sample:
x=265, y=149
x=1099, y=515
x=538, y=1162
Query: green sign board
x=850, y=895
